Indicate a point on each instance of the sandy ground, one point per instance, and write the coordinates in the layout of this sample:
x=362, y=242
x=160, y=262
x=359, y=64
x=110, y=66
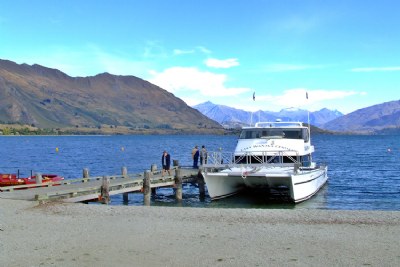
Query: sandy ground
x=59, y=234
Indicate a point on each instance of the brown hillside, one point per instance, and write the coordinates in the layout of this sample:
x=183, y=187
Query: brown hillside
x=48, y=98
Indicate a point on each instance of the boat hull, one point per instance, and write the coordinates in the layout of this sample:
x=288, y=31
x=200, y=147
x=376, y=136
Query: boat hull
x=300, y=185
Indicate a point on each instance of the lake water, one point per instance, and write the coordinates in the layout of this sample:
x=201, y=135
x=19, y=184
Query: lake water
x=364, y=171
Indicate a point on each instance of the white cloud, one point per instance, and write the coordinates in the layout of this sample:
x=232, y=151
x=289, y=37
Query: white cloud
x=119, y=65
x=193, y=101
x=222, y=63
x=371, y=69
x=289, y=67
x=182, y=52
x=206, y=83
x=203, y=49
x=87, y=61
x=154, y=49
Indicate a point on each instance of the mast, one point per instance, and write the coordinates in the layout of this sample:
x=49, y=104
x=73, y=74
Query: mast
x=309, y=128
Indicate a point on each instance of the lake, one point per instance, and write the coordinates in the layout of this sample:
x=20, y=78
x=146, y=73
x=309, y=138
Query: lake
x=364, y=171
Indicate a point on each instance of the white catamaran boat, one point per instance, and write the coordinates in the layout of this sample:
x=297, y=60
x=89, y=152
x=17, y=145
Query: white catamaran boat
x=270, y=156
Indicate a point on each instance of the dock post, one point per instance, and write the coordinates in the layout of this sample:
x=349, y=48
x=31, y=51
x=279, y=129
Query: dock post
x=85, y=174
x=124, y=172
x=105, y=190
x=175, y=163
x=38, y=178
x=125, y=197
x=153, y=168
x=178, y=184
x=146, y=188
x=201, y=184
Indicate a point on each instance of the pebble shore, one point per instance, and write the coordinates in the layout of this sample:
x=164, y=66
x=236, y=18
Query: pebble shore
x=60, y=234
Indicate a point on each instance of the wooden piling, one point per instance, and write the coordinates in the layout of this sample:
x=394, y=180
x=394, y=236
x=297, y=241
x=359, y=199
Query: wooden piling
x=105, y=190
x=146, y=188
x=175, y=163
x=153, y=167
x=201, y=184
x=178, y=184
x=124, y=171
x=85, y=174
x=125, y=197
x=39, y=178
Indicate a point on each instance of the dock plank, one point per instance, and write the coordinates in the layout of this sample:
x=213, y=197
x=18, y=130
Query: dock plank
x=84, y=189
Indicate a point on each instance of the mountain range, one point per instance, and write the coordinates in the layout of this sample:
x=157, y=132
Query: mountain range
x=42, y=97
x=378, y=119
x=48, y=98
x=381, y=118
x=231, y=117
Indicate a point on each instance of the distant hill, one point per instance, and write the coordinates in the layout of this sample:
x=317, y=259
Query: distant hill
x=380, y=119
x=48, y=98
x=230, y=117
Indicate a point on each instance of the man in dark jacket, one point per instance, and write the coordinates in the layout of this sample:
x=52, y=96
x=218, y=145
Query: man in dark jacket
x=166, y=163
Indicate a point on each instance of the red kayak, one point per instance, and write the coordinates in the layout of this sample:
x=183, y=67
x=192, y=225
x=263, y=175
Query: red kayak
x=8, y=179
x=45, y=178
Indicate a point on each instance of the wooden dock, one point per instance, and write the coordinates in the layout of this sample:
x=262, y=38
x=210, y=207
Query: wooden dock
x=102, y=187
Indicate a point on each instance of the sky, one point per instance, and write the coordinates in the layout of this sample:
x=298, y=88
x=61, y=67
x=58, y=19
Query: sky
x=345, y=55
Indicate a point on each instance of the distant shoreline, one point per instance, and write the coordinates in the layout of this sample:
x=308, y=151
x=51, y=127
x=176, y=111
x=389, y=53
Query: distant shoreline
x=26, y=130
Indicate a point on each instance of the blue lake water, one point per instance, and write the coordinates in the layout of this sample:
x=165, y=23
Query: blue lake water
x=364, y=171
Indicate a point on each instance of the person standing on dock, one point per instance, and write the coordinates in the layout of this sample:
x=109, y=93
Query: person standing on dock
x=166, y=163
x=195, y=157
x=203, y=155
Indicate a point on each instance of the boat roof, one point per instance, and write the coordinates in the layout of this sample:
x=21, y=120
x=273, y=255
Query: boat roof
x=276, y=124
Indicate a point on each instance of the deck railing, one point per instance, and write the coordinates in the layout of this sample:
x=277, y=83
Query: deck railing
x=230, y=159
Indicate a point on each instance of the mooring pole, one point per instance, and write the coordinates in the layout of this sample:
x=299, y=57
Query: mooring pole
x=125, y=196
x=201, y=184
x=146, y=188
x=85, y=173
x=124, y=171
x=105, y=190
x=38, y=178
x=178, y=184
x=153, y=168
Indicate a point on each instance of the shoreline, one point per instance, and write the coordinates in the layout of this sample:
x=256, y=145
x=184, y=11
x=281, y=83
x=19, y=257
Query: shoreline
x=64, y=234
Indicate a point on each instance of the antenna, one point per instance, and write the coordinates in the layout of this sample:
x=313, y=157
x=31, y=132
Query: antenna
x=308, y=118
x=309, y=128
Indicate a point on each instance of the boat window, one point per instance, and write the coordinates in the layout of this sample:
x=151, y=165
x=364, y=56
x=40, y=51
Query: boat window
x=306, y=136
x=274, y=133
x=306, y=161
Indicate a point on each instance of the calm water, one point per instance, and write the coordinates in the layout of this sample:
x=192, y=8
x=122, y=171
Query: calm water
x=363, y=173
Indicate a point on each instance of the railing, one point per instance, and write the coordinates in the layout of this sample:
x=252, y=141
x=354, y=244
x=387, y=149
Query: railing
x=230, y=159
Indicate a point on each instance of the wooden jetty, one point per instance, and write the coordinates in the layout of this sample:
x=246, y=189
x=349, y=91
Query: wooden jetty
x=100, y=188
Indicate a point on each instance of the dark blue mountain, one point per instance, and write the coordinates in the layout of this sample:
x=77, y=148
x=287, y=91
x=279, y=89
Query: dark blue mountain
x=382, y=118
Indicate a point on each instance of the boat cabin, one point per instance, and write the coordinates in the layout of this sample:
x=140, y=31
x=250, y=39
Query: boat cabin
x=274, y=132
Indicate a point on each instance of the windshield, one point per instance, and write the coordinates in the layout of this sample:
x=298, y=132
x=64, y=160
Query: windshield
x=298, y=133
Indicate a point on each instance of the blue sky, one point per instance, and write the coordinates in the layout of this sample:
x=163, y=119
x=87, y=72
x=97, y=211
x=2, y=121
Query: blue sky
x=345, y=54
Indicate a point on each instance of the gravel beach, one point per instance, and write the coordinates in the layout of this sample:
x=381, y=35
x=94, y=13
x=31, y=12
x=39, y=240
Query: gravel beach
x=60, y=234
